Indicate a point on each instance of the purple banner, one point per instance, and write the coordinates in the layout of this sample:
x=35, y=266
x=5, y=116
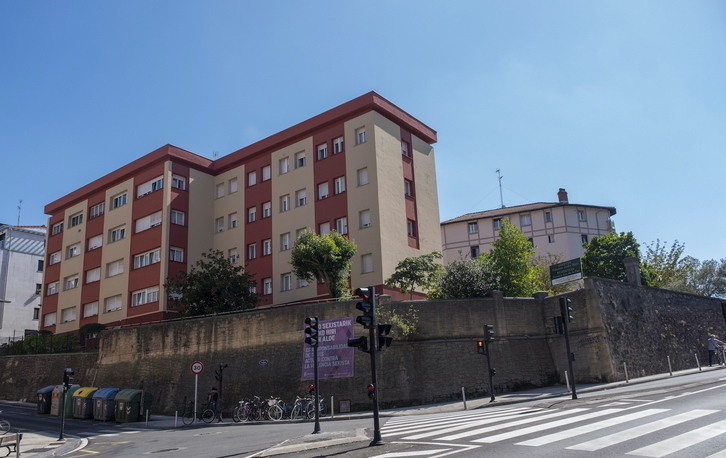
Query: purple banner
x=335, y=357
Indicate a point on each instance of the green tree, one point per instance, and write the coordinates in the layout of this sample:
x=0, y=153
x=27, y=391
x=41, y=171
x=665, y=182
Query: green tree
x=463, y=279
x=324, y=258
x=212, y=285
x=709, y=278
x=510, y=260
x=421, y=271
x=604, y=255
x=669, y=269
x=544, y=281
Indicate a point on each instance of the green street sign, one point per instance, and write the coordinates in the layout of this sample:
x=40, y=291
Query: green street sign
x=566, y=271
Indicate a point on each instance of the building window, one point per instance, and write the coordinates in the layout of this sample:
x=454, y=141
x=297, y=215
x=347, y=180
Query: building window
x=52, y=288
x=301, y=198
x=54, y=258
x=267, y=247
x=266, y=173
x=149, y=187
x=68, y=315
x=474, y=228
x=232, y=220
x=362, y=176
x=90, y=309
x=339, y=185
x=95, y=242
x=548, y=217
x=57, y=228
x=147, y=222
x=322, y=151
x=116, y=234
x=266, y=209
x=266, y=286
x=219, y=190
x=474, y=252
x=286, y=282
x=366, y=263
x=324, y=228
x=233, y=185
x=252, y=214
x=411, y=228
x=360, y=135
x=145, y=296
x=302, y=283
x=96, y=210
x=219, y=224
x=36, y=314
x=93, y=275
x=38, y=289
x=551, y=238
x=49, y=319
x=177, y=217
x=285, y=241
x=299, y=232
x=497, y=224
x=525, y=220
x=285, y=203
x=531, y=242
x=233, y=256
x=300, y=159
x=40, y=265
x=581, y=215
x=114, y=268
x=284, y=165
x=148, y=258
x=583, y=238
x=341, y=225
x=252, y=178
x=365, y=219
x=118, y=201
x=338, y=145
x=178, y=182
x=73, y=251
x=111, y=304
x=70, y=282
x=75, y=220
x=405, y=149
x=252, y=251
x=323, y=190
x=176, y=254
x=408, y=187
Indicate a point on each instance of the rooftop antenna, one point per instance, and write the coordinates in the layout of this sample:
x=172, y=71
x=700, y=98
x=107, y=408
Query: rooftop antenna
x=215, y=154
x=20, y=207
x=501, y=197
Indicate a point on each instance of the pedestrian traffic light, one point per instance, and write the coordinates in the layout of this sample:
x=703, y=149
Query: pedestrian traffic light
x=566, y=309
x=361, y=343
x=383, y=340
x=480, y=347
x=311, y=390
x=558, y=324
x=489, y=332
x=311, y=331
x=67, y=377
x=371, y=391
x=367, y=306
x=493, y=371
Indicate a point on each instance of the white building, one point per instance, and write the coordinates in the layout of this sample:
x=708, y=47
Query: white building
x=22, y=250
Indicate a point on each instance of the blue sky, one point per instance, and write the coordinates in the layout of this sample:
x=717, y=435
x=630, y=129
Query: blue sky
x=622, y=103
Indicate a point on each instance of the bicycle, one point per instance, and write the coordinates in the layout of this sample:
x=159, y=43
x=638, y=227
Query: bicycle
x=4, y=426
x=206, y=415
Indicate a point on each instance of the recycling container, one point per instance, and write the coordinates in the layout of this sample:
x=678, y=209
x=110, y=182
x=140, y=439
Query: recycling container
x=68, y=407
x=131, y=405
x=45, y=398
x=104, y=404
x=83, y=402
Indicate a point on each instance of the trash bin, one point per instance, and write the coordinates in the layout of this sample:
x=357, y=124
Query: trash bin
x=45, y=398
x=83, y=402
x=104, y=404
x=68, y=407
x=131, y=405
x=56, y=400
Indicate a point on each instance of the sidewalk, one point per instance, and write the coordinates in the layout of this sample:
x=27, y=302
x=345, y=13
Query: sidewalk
x=42, y=445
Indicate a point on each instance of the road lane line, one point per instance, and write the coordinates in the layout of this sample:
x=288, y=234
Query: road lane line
x=682, y=441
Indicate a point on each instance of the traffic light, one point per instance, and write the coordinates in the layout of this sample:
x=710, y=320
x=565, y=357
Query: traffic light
x=367, y=306
x=311, y=390
x=67, y=377
x=489, y=332
x=311, y=331
x=480, y=347
x=493, y=371
x=218, y=374
x=361, y=343
x=371, y=391
x=383, y=340
x=566, y=309
x=558, y=324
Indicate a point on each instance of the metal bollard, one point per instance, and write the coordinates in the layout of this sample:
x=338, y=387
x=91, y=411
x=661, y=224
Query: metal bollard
x=670, y=368
x=463, y=396
x=698, y=362
x=625, y=367
x=567, y=381
x=332, y=408
x=176, y=418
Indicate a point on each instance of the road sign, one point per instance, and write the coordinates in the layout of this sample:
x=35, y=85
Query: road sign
x=197, y=368
x=566, y=271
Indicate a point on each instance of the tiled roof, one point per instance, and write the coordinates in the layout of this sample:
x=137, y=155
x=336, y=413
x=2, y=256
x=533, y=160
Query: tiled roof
x=519, y=209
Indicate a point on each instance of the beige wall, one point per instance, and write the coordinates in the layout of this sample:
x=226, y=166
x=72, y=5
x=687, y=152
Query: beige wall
x=201, y=215
x=71, y=298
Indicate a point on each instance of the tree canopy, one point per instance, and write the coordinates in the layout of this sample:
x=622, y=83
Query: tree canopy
x=463, y=279
x=511, y=262
x=421, y=271
x=604, y=255
x=212, y=285
x=325, y=258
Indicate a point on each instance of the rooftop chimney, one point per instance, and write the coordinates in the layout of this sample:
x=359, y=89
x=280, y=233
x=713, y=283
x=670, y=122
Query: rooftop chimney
x=562, y=196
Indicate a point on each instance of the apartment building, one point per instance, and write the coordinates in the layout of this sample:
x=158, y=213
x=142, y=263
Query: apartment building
x=364, y=169
x=22, y=251
x=558, y=228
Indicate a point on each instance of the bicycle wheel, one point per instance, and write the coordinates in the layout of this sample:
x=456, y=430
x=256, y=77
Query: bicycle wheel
x=4, y=426
x=188, y=418
x=275, y=413
x=236, y=414
x=207, y=416
x=296, y=412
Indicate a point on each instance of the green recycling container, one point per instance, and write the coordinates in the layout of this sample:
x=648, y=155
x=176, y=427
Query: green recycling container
x=131, y=405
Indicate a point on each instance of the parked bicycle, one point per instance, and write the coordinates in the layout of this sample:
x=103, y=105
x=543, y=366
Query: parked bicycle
x=205, y=414
x=4, y=426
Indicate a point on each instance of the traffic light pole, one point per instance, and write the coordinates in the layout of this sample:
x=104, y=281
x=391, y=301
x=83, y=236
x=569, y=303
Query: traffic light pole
x=377, y=440
x=565, y=320
x=489, y=371
x=316, y=429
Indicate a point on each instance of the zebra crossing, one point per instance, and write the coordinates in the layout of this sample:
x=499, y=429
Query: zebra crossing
x=604, y=426
x=107, y=433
